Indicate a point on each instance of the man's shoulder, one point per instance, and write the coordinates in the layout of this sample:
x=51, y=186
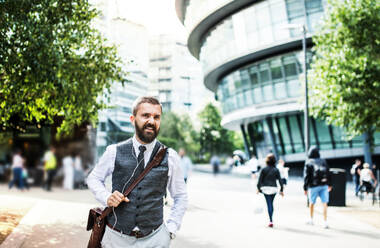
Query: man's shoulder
x=121, y=143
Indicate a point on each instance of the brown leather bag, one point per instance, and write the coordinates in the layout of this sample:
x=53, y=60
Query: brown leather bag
x=97, y=217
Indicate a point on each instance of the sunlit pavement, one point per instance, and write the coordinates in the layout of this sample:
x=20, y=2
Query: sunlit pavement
x=221, y=214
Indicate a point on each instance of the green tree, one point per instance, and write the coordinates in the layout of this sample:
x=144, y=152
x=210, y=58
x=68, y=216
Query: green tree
x=53, y=64
x=178, y=132
x=170, y=133
x=345, y=75
x=213, y=138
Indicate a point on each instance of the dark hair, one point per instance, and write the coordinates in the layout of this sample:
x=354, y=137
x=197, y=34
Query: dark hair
x=144, y=99
x=314, y=152
x=270, y=159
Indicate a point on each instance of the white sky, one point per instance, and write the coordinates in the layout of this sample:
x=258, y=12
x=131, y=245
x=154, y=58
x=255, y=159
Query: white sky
x=158, y=16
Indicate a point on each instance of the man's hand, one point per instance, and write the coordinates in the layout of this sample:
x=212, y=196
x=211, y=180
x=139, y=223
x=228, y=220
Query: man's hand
x=282, y=194
x=329, y=188
x=116, y=198
x=305, y=192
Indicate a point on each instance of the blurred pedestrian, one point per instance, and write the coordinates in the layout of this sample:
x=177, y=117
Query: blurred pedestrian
x=253, y=165
x=267, y=184
x=17, y=167
x=230, y=162
x=367, y=179
x=68, y=171
x=215, y=162
x=50, y=166
x=185, y=163
x=317, y=182
x=355, y=172
x=79, y=175
x=25, y=177
x=284, y=171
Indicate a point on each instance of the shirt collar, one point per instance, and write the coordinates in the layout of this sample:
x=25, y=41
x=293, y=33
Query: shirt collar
x=136, y=144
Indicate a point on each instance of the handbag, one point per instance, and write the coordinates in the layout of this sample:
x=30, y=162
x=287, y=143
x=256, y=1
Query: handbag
x=97, y=217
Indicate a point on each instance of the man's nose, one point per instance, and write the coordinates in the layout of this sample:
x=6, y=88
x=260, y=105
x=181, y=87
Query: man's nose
x=151, y=119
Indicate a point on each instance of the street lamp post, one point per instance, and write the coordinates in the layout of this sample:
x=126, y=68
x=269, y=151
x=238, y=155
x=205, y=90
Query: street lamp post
x=306, y=110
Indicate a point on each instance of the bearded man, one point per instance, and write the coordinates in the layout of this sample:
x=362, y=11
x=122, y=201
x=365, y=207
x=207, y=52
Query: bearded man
x=137, y=220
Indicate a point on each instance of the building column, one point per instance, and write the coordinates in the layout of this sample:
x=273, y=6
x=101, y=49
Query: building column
x=252, y=139
x=271, y=136
x=246, y=145
x=367, y=148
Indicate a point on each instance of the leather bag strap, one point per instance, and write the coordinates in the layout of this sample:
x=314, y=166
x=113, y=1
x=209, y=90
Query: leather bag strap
x=155, y=161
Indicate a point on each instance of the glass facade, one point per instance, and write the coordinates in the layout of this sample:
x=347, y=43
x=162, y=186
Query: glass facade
x=269, y=81
x=256, y=27
x=288, y=136
x=263, y=81
x=197, y=10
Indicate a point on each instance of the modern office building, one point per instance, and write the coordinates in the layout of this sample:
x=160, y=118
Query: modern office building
x=175, y=76
x=131, y=40
x=253, y=65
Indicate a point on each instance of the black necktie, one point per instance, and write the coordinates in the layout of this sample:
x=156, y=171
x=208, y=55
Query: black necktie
x=140, y=160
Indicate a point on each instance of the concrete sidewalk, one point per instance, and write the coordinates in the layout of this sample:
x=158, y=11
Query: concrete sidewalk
x=220, y=215
x=49, y=223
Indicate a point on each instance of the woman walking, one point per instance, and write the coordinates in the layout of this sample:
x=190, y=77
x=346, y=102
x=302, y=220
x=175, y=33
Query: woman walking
x=17, y=167
x=267, y=184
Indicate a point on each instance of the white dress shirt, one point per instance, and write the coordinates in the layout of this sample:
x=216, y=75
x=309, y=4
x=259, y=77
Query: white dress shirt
x=176, y=184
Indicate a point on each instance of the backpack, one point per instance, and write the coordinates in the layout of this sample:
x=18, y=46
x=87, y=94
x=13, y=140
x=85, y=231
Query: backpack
x=319, y=172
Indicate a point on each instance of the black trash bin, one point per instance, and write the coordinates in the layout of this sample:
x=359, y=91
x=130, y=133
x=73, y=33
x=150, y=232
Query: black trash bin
x=338, y=183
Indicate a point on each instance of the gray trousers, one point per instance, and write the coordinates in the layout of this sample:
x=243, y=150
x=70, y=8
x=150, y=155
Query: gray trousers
x=159, y=238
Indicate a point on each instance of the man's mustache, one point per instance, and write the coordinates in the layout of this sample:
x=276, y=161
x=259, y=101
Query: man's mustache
x=149, y=125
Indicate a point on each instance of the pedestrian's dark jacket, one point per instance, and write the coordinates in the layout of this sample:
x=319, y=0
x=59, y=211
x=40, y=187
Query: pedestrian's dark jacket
x=268, y=177
x=316, y=171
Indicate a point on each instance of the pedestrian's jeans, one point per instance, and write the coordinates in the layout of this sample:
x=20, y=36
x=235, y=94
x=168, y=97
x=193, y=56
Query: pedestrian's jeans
x=17, y=178
x=269, y=199
x=159, y=238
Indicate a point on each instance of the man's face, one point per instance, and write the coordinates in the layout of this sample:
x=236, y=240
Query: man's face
x=147, y=122
x=181, y=152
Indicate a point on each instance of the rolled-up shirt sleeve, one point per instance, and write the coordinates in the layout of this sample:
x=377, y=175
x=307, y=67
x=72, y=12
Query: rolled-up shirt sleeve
x=178, y=191
x=97, y=177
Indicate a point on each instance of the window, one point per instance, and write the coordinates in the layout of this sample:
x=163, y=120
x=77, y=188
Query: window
x=323, y=135
x=102, y=126
x=160, y=59
x=125, y=124
x=264, y=73
x=245, y=79
x=277, y=136
x=285, y=135
x=268, y=92
x=339, y=138
x=126, y=109
x=290, y=66
x=162, y=80
x=276, y=69
x=164, y=95
x=254, y=76
x=296, y=134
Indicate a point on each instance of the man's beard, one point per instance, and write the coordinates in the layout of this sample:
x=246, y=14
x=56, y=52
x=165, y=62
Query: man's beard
x=146, y=137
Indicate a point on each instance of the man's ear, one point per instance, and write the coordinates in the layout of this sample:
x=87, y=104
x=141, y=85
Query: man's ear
x=132, y=119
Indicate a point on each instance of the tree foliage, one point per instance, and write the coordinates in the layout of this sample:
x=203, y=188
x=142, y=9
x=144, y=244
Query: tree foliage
x=213, y=138
x=345, y=75
x=178, y=132
x=53, y=63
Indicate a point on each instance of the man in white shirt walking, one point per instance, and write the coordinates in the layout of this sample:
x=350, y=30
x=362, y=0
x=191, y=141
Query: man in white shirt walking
x=186, y=164
x=137, y=221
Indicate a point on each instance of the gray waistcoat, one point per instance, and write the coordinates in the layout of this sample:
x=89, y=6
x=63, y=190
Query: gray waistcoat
x=145, y=208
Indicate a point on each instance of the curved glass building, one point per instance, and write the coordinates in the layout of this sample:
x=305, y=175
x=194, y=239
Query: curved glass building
x=253, y=64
